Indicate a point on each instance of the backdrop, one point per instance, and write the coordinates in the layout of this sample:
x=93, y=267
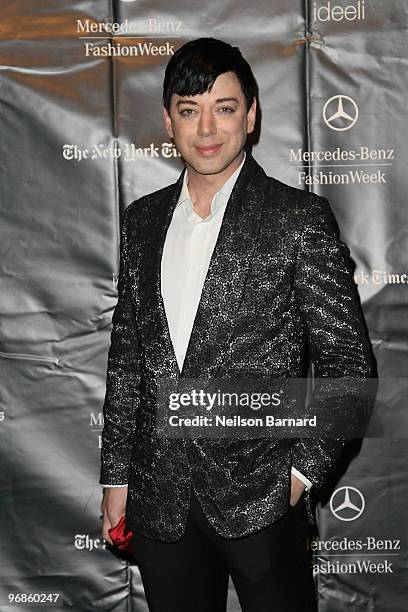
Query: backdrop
x=81, y=137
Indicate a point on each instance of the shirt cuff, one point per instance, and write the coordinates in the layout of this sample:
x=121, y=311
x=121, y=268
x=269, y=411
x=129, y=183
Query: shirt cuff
x=305, y=480
x=112, y=486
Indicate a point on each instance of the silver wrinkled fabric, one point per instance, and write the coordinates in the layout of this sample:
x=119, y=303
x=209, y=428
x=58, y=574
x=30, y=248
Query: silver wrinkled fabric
x=279, y=291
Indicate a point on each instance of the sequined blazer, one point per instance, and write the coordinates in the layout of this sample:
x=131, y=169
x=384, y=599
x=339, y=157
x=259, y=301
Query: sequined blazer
x=279, y=294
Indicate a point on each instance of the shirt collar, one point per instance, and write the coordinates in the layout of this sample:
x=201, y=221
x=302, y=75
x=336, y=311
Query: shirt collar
x=220, y=198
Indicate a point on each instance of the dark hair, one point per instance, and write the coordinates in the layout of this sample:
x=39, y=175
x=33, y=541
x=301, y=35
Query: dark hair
x=194, y=67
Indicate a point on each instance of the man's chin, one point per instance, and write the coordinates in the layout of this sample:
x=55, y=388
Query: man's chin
x=210, y=166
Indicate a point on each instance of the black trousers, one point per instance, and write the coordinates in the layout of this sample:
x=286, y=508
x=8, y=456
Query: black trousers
x=270, y=569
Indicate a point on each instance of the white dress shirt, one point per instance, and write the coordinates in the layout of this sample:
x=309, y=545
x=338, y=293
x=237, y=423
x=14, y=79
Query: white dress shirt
x=189, y=244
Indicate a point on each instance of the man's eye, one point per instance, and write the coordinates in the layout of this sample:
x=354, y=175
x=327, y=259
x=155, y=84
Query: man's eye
x=187, y=112
x=227, y=109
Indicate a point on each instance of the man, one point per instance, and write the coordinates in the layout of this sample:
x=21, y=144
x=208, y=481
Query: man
x=226, y=273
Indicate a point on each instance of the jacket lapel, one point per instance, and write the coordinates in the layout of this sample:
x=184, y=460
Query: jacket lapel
x=153, y=321
x=225, y=280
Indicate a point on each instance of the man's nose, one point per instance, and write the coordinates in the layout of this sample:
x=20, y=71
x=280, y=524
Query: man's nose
x=207, y=125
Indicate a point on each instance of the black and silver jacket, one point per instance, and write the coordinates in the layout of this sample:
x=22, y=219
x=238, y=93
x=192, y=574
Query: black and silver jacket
x=279, y=294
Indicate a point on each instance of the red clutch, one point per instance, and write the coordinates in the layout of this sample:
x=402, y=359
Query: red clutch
x=122, y=536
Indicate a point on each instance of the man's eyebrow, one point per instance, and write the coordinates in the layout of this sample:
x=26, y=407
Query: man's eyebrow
x=218, y=101
x=230, y=99
x=186, y=102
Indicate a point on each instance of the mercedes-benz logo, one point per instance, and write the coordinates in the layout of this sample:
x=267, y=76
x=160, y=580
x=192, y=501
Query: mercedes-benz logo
x=340, y=113
x=347, y=504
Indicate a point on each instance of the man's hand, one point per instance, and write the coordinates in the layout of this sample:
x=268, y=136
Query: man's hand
x=112, y=507
x=296, y=489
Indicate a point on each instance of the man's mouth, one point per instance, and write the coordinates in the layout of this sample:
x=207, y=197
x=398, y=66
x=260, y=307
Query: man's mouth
x=208, y=149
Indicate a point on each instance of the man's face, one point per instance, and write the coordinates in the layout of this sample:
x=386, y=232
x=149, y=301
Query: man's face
x=210, y=129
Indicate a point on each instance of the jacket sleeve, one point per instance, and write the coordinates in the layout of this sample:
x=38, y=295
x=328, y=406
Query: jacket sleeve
x=338, y=341
x=122, y=379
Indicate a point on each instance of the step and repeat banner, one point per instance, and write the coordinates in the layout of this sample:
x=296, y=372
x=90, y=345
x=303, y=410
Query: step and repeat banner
x=81, y=137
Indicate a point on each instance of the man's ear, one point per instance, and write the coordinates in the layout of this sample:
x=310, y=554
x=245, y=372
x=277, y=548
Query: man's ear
x=167, y=122
x=251, y=117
